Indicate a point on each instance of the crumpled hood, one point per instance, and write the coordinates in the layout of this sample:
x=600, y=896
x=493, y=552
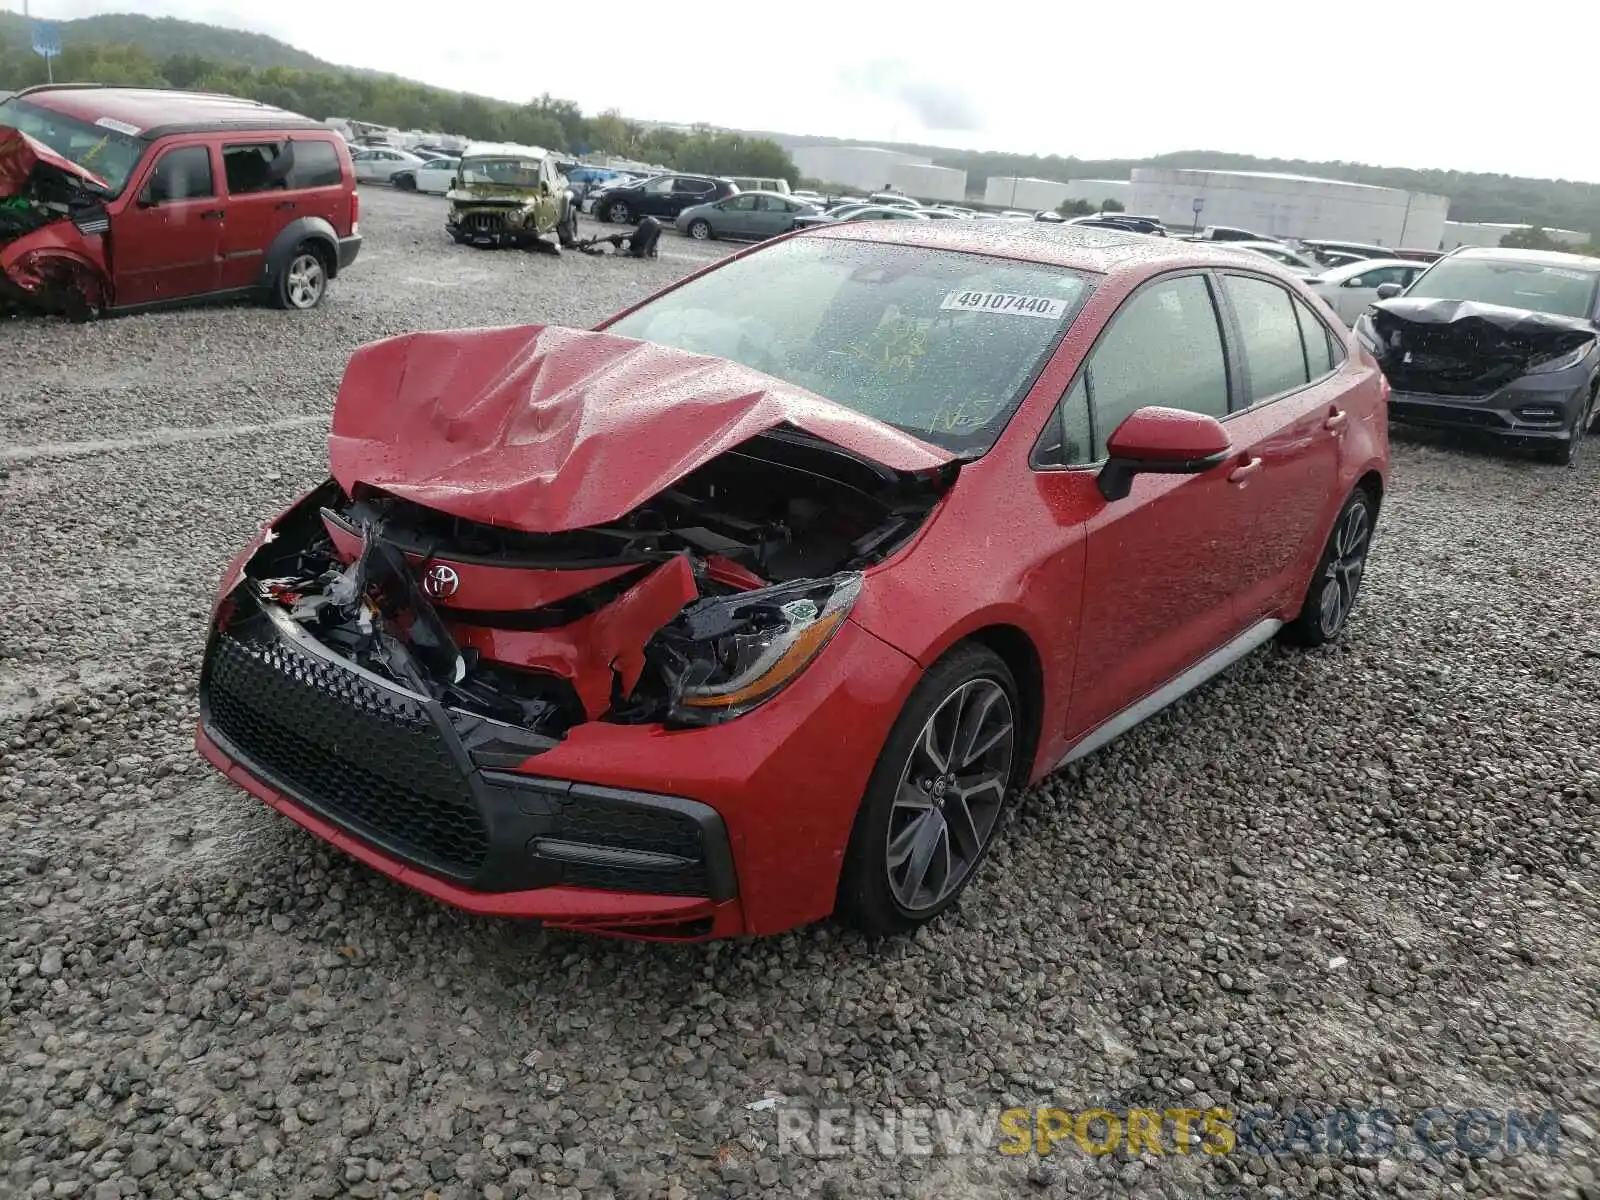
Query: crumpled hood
x=546, y=429
x=21, y=155
x=1487, y=329
x=491, y=193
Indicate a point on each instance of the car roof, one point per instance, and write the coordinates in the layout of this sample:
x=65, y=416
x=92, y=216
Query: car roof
x=156, y=112
x=1098, y=250
x=1362, y=266
x=1543, y=258
x=503, y=150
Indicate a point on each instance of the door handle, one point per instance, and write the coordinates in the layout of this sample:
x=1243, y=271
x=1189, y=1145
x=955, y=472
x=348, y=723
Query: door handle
x=283, y=204
x=211, y=214
x=1242, y=473
x=1336, y=421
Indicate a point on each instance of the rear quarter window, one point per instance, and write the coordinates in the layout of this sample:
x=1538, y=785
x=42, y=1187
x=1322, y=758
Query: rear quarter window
x=316, y=164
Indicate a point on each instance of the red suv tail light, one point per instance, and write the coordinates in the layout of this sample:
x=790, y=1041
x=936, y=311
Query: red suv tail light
x=355, y=213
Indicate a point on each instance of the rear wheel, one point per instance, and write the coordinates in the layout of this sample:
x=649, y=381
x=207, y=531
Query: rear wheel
x=936, y=796
x=406, y=183
x=304, y=281
x=618, y=211
x=1337, y=580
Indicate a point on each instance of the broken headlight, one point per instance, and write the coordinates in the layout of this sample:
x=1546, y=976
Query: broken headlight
x=1562, y=362
x=724, y=656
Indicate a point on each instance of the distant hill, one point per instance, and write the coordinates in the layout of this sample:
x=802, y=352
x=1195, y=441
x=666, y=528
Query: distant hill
x=161, y=37
x=1474, y=196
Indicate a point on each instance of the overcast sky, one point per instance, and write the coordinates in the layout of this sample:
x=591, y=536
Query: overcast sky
x=1419, y=83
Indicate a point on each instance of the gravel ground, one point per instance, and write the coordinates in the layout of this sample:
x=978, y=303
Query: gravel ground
x=1363, y=877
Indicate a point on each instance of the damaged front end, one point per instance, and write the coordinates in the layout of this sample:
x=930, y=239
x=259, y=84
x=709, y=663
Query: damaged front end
x=501, y=216
x=1463, y=348
x=53, y=224
x=399, y=671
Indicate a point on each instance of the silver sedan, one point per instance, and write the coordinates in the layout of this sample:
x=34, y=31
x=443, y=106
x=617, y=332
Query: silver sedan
x=751, y=215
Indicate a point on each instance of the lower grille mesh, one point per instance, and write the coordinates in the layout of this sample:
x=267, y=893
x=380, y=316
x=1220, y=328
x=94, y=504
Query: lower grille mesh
x=368, y=758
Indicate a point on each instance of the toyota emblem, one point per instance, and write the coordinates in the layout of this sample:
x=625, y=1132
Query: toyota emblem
x=441, y=582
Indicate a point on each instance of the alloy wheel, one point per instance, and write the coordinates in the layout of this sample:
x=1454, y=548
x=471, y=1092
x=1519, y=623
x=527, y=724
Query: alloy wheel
x=1347, y=560
x=699, y=231
x=950, y=794
x=619, y=212
x=306, y=280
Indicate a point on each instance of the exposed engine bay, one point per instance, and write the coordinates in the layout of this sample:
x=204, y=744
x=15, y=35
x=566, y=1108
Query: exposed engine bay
x=51, y=221
x=1464, y=348
x=692, y=608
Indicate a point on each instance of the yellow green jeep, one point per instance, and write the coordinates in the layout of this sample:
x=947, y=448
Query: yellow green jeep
x=510, y=196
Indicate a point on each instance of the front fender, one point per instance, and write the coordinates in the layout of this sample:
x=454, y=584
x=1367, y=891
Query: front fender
x=58, y=268
x=301, y=229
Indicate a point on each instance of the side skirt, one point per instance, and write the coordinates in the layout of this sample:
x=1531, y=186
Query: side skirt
x=1212, y=664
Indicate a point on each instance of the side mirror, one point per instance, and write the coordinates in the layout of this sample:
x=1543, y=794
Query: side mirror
x=1388, y=291
x=1161, y=441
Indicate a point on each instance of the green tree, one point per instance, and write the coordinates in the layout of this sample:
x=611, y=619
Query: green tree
x=1531, y=238
x=1112, y=206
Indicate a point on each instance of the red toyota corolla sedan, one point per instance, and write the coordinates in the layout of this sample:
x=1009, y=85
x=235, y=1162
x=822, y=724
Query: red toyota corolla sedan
x=762, y=601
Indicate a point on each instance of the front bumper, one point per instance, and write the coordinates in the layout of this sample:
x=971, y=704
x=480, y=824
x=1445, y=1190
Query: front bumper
x=596, y=832
x=1526, y=411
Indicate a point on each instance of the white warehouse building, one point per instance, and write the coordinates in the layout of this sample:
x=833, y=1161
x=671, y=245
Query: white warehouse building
x=1098, y=191
x=1489, y=233
x=1291, y=206
x=924, y=181
x=865, y=168
x=1019, y=191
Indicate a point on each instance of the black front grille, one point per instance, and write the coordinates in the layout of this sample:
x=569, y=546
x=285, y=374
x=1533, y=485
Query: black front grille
x=1444, y=414
x=366, y=756
x=483, y=222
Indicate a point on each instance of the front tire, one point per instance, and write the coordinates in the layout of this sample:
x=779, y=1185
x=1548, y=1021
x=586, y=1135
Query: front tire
x=936, y=796
x=567, y=230
x=700, y=230
x=618, y=211
x=406, y=183
x=1337, y=580
x=303, y=282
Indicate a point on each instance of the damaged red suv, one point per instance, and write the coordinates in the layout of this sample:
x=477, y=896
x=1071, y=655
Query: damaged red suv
x=127, y=199
x=762, y=601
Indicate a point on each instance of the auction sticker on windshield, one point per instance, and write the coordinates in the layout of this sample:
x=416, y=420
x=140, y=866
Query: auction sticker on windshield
x=118, y=126
x=1007, y=303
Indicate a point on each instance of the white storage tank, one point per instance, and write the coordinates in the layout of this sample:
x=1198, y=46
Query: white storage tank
x=924, y=181
x=1022, y=192
x=865, y=168
x=1290, y=206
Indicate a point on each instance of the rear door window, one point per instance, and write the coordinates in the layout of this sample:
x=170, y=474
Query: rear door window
x=1318, y=341
x=182, y=173
x=255, y=167
x=1274, y=356
x=688, y=185
x=316, y=164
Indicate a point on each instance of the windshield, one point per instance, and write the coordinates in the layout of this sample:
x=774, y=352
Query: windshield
x=940, y=344
x=509, y=172
x=1562, y=291
x=110, y=154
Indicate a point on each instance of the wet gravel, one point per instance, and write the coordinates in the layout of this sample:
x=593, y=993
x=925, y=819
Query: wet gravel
x=1364, y=877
